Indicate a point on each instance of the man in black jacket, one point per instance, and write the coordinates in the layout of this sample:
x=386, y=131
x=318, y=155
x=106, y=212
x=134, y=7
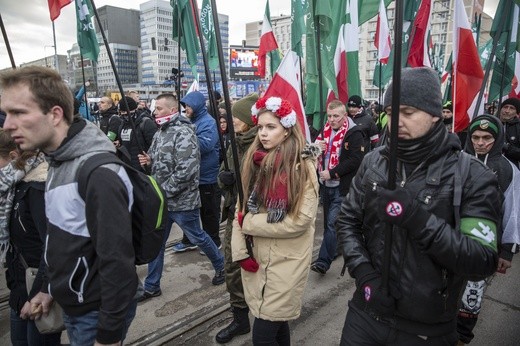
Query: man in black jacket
x=109, y=120
x=364, y=120
x=435, y=245
x=88, y=250
x=509, y=111
x=343, y=147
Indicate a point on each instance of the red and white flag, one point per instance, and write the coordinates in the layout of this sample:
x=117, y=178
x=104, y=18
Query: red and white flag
x=286, y=84
x=467, y=70
x=267, y=42
x=55, y=7
x=341, y=69
x=418, y=54
x=382, y=39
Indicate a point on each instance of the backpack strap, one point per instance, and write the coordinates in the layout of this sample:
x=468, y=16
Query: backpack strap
x=90, y=165
x=459, y=179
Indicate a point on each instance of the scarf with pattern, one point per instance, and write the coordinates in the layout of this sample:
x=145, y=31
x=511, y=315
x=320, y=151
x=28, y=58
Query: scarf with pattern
x=277, y=200
x=335, y=148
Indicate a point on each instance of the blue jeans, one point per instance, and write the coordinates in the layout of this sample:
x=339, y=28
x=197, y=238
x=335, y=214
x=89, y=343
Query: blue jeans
x=189, y=222
x=331, y=200
x=82, y=330
x=24, y=332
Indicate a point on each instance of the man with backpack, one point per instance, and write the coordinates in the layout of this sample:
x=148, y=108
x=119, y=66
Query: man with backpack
x=89, y=251
x=174, y=159
x=136, y=131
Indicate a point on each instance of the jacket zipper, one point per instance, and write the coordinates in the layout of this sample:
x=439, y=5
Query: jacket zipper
x=82, y=285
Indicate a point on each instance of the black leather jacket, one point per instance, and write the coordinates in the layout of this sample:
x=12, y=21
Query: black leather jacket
x=429, y=269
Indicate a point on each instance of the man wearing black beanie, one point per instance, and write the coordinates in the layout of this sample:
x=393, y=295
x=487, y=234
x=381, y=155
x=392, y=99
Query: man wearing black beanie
x=509, y=111
x=434, y=248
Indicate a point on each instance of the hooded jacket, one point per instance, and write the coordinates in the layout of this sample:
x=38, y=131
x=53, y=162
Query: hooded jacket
x=509, y=181
x=89, y=251
x=110, y=121
x=512, y=140
x=207, y=134
x=430, y=265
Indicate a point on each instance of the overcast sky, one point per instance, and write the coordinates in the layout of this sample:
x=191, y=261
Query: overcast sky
x=29, y=28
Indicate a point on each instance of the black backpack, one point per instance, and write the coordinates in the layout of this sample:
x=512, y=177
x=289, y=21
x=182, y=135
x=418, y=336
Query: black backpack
x=149, y=210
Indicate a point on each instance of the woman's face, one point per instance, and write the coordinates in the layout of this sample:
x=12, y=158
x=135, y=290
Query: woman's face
x=270, y=131
x=223, y=124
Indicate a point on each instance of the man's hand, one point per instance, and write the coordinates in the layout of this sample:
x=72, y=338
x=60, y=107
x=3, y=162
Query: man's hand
x=227, y=178
x=144, y=159
x=40, y=304
x=325, y=175
x=25, y=313
x=376, y=299
x=503, y=265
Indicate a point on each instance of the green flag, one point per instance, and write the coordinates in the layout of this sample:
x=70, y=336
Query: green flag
x=87, y=40
x=297, y=25
x=187, y=37
x=507, y=46
x=368, y=9
x=208, y=30
x=275, y=56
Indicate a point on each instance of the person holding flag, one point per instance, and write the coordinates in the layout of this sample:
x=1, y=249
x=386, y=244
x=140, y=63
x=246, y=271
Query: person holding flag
x=442, y=231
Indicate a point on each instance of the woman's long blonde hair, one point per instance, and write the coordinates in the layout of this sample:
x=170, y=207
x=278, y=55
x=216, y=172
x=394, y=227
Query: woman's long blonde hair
x=286, y=158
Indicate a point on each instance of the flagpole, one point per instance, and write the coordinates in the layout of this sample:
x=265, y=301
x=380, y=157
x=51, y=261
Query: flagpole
x=7, y=45
x=87, y=108
x=116, y=75
x=211, y=95
x=394, y=122
x=179, y=33
x=486, y=72
x=320, y=78
x=380, y=83
x=56, y=65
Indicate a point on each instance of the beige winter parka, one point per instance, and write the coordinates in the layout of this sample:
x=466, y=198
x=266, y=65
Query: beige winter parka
x=284, y=252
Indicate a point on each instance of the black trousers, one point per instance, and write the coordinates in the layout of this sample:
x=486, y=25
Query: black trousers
x=269, y=333
x=361, y=329
x=210, y=196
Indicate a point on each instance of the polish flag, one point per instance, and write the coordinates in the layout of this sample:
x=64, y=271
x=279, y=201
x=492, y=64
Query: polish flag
x=382, y=40
x=341, y=69
x=286, y=83
x=267, y=43
x=418, y=55
x=55, y=7
x=467, y=70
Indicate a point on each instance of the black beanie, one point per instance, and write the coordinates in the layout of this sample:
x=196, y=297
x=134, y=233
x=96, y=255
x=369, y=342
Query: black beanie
x=354, y=101
x=420, y=88
x=513, y=101
x=485, y=122
x=131, y=104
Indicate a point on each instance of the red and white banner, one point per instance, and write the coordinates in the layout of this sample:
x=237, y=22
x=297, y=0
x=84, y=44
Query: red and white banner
x=341, y=69
x=382, y=39
x=418, y=54
x=267, y=43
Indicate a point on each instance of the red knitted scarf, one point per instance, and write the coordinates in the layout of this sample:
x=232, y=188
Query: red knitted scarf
x=277, y=200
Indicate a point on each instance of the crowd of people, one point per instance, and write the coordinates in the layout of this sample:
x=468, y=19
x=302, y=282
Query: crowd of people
x=451, y=214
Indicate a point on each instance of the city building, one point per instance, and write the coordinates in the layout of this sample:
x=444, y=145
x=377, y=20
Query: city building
x=50, y=61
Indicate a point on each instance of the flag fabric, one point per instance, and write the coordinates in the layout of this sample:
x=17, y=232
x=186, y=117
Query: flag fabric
x=193, y=87
x=297, y=26
x=467, y=71
x=187, y=37
x=504, y=68
x=87, y=39
x=352, y=47
x=418, y=54
x=382, y=39
x=446, y=77
x=340, y=68
x=267, y=42
x=286, y=84
x=208, y=31
x=368, y=9
x=55, y=7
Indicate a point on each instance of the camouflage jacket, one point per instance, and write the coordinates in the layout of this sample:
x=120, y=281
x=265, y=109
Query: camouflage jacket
x=176, y=162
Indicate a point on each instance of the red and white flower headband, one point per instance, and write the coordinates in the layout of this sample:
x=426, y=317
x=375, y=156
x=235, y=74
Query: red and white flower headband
x=281, y=108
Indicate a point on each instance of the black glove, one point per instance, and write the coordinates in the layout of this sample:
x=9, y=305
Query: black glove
x=369, y=282
x=227, y=178
x=400, y=208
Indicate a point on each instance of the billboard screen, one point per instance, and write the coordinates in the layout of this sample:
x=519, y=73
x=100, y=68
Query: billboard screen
x=243, y=63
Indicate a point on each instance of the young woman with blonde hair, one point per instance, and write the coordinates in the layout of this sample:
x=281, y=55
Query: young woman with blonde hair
x=273, y=233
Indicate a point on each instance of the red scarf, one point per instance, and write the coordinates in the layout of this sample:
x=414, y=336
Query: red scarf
x=335, y=148
x=277, y=201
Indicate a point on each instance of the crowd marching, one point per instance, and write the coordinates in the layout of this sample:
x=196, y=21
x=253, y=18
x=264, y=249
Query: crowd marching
x=419, y=248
